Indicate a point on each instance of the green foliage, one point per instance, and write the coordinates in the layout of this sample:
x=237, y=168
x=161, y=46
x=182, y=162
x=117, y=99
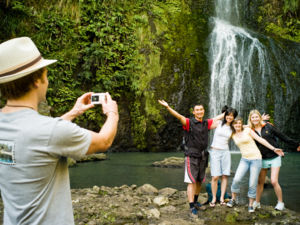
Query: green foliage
x=290, y=6
x=281, y=19
x=120, y=47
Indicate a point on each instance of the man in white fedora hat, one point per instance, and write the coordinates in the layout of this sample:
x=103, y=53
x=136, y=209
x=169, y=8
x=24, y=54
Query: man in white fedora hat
x=34, y=178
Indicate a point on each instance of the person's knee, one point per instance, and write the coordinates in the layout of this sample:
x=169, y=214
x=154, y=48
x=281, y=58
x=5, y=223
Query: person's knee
x=215, y=179
x=274, y=182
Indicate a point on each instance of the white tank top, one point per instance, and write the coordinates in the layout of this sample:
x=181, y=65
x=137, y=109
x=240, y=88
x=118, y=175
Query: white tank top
x=221, y=137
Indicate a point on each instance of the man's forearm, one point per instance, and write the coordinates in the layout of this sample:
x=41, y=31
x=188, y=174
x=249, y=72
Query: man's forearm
x=72, y=114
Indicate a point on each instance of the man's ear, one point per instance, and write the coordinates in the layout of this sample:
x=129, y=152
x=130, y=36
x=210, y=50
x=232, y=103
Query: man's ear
x=37, y=83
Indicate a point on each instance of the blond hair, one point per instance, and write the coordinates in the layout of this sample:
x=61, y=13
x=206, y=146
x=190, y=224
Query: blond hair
x=254, y=111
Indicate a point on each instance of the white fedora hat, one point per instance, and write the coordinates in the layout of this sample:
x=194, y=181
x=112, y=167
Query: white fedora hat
x=18, y=58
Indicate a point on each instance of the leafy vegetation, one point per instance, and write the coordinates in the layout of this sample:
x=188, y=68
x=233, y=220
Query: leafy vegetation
x=281, y=18
x=120, y=47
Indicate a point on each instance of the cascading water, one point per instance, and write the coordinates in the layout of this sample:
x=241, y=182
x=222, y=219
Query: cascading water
x=235, y=56
x=247, y=74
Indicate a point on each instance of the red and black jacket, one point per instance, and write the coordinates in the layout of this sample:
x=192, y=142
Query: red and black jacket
x=196, y=137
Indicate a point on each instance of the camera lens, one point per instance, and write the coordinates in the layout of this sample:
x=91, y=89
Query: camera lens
x=95, y=98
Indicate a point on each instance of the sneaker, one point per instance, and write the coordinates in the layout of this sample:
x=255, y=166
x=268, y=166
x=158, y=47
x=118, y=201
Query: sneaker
x=250, y=209
x=198, y=206
x=279, y=206
x=256, y=205
x=231, y=203
x=194, y=212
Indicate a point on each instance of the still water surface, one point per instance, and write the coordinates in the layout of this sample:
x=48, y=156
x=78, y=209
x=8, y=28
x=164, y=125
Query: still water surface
x=135, y=168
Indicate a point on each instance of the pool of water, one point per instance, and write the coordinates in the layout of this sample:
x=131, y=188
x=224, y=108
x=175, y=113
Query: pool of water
x=135, y=168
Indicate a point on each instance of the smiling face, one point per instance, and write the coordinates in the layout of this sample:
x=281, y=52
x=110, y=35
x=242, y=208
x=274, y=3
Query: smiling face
x=255, y=119
x=238, y=125
x=199, y=112
x=229, y=118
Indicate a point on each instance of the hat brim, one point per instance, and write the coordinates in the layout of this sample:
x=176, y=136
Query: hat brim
x=40, y=64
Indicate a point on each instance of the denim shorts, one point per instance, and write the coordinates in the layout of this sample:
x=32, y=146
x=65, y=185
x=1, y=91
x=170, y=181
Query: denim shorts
x=220, y=162
x=268, y=163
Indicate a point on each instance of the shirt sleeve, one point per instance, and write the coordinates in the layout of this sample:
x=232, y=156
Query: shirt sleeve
x=209, y=121
x=283, y=137
x=69, y=140
x=187, y=126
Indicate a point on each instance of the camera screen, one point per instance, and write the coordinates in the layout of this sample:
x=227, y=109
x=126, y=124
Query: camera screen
x=95, y=98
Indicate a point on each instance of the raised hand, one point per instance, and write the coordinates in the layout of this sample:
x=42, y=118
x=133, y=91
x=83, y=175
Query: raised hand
x=163, y=103
x=82, y=104
x=265, y=116
x=109, y=105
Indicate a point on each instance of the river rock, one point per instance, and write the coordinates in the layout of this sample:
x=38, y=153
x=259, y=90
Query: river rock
x=167, y=191
x=147, y=189
x=161, y=200
x=152, y=213
x=171, y=162
x=87, y=158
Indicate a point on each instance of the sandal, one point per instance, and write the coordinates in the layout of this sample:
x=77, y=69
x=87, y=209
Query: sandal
x=212, y=204
x=222, y=203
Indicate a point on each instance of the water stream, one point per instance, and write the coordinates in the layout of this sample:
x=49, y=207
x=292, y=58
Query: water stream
x=238, y=62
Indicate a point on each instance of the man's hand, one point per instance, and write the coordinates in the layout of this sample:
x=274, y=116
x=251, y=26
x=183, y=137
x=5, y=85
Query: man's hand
x=109, y=105
x=163, y=103
x=298, y=149
x=83, y=103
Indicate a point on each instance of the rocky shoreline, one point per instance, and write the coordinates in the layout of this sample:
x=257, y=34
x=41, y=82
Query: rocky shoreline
x=132, y=205
x=146, y=205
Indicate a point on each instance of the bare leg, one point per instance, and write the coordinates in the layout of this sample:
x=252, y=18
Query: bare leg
x=191, y=190
x=233, y=196
x=251, y=200
x=260, y=184
x=214, y=188
x=274, y=181
x=223, y=187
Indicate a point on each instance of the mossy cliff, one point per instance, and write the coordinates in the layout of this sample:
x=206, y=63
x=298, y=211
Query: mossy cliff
x=139, y=51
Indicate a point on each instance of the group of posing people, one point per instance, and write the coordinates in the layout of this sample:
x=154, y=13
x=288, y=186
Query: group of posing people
x=34, y=178
x=257, y=142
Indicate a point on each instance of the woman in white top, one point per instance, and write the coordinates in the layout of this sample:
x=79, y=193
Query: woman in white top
x=251, y=160
x=220, y=159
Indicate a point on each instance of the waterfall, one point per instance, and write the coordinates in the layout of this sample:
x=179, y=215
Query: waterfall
x=238, y=63
x=251, y=71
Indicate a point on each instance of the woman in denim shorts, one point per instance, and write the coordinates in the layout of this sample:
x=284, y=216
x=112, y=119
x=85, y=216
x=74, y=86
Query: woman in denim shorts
x=269, y=159
x=250, y=161
x=220, y=158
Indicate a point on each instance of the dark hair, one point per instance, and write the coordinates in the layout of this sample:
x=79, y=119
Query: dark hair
x=198, y=105
x=225, y=107
x=18, y=88
x=228, y=111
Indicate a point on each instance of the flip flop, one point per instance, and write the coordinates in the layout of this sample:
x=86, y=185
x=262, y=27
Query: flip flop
x=212, y=204
x=222, y=203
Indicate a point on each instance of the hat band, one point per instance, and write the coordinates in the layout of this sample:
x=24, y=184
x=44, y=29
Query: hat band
x=22, y=67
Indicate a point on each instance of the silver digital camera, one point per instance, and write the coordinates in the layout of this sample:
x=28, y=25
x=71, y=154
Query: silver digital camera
x=98, y=98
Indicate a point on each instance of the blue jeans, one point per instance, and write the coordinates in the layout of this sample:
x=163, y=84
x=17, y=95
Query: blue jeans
x=254, y=165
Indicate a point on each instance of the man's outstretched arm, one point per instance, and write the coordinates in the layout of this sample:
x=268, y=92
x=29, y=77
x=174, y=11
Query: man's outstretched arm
x=180, y=117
